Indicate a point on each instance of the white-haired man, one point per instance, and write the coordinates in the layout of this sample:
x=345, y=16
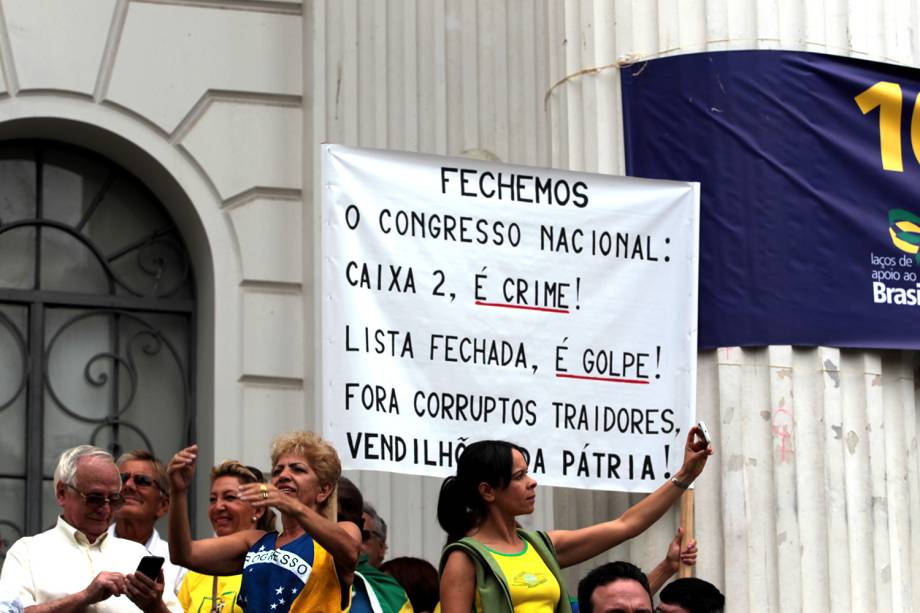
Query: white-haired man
x=77, y=564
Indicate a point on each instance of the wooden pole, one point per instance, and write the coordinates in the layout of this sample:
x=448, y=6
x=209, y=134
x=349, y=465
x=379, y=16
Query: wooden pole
x=686, y=522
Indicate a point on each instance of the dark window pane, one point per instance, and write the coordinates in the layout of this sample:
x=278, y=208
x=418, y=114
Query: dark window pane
x=50, y=508
x=71, y=180
x=80, y=377
x=68, y=265
x=158, y=346
x=17, y=178
x=17, y=258
x=12, y=519
x=157, y=266
x=17, y=203
x=145, y=252
x=13, y=391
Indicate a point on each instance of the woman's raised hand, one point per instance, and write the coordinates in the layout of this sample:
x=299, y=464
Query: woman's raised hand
x=696, y=452
x=181, y=469
x=264, y=495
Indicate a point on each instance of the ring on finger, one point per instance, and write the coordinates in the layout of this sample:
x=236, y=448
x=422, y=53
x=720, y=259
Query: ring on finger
x=264, y=494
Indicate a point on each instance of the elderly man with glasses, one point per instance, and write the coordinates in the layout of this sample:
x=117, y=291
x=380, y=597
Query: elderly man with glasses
x=145, y=489
x=77, y=565
x=374, y=536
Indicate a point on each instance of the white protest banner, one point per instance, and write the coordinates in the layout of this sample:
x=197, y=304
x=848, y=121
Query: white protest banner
x=466, y=300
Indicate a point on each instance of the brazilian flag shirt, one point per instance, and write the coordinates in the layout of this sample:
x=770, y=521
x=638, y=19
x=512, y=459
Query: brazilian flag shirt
x=297, y=578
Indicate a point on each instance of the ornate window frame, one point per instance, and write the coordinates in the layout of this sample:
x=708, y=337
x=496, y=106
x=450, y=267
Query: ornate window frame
x=126, y=301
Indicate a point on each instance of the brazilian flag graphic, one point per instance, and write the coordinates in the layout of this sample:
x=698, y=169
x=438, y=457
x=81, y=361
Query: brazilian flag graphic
x=904, y=228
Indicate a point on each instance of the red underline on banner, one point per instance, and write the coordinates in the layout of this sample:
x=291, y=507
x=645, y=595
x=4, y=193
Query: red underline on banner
x=607, y=379
x=520, y=306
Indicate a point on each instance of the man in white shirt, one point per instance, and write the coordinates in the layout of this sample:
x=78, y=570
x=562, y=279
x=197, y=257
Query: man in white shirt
x=77, y=566
x=145, y=488
x=9, y=602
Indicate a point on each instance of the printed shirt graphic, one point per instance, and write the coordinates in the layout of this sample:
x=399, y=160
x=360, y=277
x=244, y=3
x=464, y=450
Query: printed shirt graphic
x=297, y=578
x=531, y=583
x=195, y=593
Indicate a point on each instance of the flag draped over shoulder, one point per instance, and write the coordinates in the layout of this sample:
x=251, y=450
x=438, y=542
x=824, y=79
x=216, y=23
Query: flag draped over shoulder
x=384, y=594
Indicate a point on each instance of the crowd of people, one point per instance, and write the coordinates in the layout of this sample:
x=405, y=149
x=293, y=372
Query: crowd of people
x=305, y=540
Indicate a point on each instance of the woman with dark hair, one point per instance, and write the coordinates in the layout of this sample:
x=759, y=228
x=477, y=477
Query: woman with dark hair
x=490, y=564
x=419, y=578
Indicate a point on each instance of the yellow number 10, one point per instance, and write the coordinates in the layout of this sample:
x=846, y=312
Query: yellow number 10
x=887, y=97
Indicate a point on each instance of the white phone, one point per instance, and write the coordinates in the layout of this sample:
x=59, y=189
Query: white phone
x=703, y=432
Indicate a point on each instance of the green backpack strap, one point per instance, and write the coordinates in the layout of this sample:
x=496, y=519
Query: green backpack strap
x=491, y=584
x=544, y=546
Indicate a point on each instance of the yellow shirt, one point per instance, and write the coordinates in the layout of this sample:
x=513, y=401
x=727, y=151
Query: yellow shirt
x=196, y=589
x=533, y=587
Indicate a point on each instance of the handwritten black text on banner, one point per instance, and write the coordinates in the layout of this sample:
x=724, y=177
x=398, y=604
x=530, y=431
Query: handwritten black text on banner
x=465, y=300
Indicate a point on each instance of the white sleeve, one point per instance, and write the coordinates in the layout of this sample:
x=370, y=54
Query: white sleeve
x=16, y=577
x=172, y=601
x=180, y=577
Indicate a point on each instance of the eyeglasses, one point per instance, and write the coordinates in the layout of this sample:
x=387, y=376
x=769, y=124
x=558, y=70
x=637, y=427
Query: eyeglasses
x=140, y=480
x=95, y=499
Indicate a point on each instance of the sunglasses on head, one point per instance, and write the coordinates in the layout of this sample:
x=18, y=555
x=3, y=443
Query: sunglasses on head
x=256, y=473
x=95, y=499
x=139, y=480
x=366, y=535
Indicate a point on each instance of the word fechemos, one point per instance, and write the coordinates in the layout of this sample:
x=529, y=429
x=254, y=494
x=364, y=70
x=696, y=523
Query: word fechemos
x=498, y=185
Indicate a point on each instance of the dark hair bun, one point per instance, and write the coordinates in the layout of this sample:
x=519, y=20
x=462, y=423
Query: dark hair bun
x=460, y=507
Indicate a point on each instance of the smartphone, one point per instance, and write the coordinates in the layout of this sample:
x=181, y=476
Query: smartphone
x=150, y=566
x=703, y=433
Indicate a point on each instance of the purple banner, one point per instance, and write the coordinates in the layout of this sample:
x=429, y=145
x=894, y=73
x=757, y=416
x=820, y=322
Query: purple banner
x=810, y=206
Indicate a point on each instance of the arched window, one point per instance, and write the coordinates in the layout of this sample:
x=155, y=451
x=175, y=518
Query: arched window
x=96, y=322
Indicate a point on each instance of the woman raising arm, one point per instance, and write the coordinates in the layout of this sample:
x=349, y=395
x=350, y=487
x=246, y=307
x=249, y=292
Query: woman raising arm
x=312, y=560
x=487, y=556
x=228, y=515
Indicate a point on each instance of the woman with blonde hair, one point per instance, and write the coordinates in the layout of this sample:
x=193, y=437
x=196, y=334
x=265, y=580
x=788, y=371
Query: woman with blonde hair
x=228, y=514
x=310, y=564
